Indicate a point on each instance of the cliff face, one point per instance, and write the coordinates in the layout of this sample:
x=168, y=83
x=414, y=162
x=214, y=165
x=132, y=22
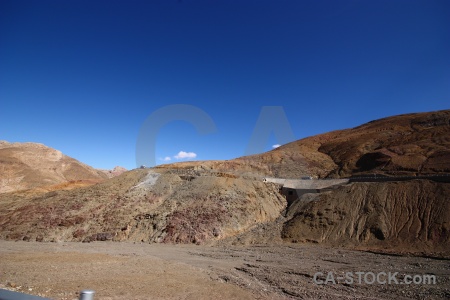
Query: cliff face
x=410, y=216
x=31, y=165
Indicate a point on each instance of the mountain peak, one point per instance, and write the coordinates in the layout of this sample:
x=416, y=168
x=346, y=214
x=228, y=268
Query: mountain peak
x=31, y=165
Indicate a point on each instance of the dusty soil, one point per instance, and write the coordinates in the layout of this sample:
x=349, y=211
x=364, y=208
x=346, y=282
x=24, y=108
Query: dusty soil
x=161, y=271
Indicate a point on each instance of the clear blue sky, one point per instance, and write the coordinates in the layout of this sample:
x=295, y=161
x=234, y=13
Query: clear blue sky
x=82, y=76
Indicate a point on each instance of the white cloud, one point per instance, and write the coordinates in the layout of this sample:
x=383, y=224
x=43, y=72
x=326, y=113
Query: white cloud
x=183, y=154
x=167, y=158
x=276, y=146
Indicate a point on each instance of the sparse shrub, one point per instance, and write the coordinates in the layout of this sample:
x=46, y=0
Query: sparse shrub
x=78, y=233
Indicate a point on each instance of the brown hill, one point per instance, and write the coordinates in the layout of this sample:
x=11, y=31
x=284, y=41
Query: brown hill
x=411, y=216
x=400, y=145
x=145, y=205
x=114, y=172
x=142, y=205
x=32, y=165
x=410, y=144
x=228, y=202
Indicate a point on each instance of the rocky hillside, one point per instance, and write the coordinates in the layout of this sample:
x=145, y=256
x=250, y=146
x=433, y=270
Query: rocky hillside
x=31, y=165
x=407, y=216
x=165, y=206
x=116, y=171
x=143, y=205
x=228, y=202
x=400, y=145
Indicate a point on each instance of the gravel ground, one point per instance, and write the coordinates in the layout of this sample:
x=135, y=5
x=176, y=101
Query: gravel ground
x=160, y=271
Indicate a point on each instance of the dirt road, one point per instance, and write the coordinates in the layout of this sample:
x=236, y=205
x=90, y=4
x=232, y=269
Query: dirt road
x=160, y=271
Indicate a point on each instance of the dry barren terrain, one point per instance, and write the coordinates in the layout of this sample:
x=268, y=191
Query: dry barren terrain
x=216, y=229
x=163, y=271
